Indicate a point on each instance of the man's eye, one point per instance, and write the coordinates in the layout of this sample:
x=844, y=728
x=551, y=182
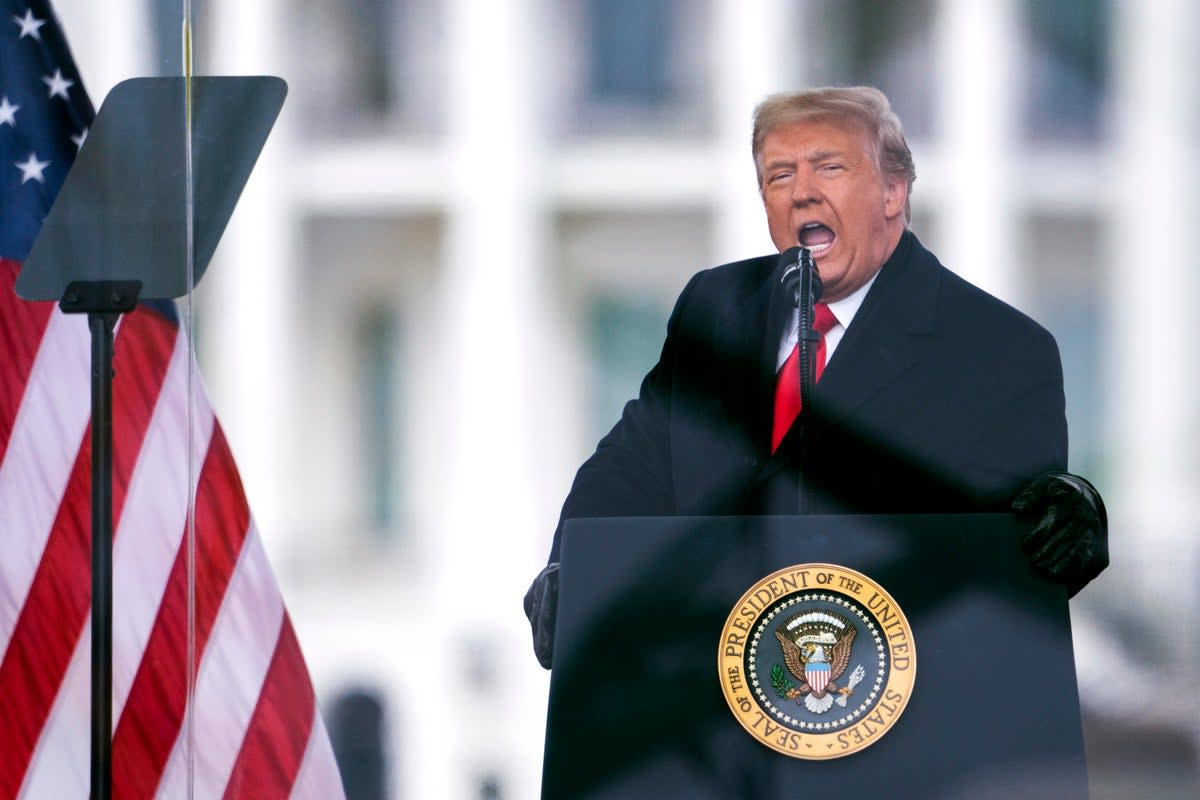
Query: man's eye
x=831, y=169
x=779, y=176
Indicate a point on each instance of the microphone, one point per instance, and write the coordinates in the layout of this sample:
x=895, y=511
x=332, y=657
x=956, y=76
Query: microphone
x=802, y=281
x=799, y=261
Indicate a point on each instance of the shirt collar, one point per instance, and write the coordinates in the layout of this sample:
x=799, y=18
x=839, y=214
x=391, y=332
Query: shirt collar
x=848, y=306
x=843, y=310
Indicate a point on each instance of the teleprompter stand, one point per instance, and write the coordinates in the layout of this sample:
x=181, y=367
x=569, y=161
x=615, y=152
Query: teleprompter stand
x=138, y=208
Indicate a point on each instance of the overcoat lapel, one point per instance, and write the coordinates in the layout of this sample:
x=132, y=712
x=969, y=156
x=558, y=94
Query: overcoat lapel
x=883, y=342
x=887, y=335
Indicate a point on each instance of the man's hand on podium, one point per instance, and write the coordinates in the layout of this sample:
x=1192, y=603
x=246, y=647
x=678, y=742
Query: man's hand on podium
x=1068, y=535
x=541, y=605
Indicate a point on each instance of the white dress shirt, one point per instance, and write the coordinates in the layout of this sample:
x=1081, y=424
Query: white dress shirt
x=843, y=310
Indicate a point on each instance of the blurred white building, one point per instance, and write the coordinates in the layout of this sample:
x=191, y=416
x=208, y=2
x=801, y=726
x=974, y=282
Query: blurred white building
x=457, y=256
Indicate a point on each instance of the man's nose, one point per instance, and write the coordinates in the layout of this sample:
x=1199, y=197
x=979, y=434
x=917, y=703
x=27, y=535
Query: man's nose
x=804, y=191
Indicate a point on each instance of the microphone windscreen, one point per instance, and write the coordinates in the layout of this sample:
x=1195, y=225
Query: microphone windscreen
x=789, y=269
x=808, y=262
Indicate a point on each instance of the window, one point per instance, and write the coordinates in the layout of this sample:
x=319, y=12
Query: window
x=884, y=43
x=621, y=272
x=1066, y=82
x=378, y=341
x=628, y=51
x=1068, y=265
x=625, y=335
x=632, y=65
x=372, y=66
x=366, y=288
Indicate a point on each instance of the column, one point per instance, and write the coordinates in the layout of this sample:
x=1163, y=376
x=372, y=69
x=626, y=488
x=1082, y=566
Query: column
x=488, y=530
x=246, y=305
x=111, y=41
x=1154, y=344
x=976, y=126
x=748, y=44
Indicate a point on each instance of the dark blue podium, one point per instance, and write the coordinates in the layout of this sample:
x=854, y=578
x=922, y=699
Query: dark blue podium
x=637, y=708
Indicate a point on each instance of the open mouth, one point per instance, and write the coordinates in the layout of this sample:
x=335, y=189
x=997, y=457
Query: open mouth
x=816, y=237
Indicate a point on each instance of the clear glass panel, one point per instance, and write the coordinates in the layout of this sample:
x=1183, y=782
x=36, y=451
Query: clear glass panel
x=164, y=20
x=180, y=60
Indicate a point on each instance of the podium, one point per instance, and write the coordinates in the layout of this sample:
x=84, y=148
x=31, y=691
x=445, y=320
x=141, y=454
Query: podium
x=652, y=660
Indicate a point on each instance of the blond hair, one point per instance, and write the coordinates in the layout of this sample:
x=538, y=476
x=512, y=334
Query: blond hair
x=863, y=104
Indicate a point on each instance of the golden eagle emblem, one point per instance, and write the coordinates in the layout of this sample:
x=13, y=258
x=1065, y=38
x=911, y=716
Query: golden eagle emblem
x=816, y=649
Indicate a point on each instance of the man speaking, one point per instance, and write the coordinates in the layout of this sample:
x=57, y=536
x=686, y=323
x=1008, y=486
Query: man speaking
x=931, y=396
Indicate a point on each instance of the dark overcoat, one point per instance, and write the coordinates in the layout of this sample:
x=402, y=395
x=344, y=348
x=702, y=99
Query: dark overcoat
x=940, y=398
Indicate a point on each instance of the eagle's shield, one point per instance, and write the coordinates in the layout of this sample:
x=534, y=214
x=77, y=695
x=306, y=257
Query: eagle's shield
x=817, y=676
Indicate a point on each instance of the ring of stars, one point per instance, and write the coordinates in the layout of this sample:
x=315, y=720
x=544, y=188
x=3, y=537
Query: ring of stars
x=868, y=623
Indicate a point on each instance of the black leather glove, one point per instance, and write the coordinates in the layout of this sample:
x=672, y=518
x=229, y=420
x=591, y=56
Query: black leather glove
x=1068, y=535
x=541, y=606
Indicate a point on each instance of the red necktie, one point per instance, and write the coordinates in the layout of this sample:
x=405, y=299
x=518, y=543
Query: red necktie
x=787, y=385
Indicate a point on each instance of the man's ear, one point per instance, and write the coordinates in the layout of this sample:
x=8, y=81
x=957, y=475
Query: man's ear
x=895, y=197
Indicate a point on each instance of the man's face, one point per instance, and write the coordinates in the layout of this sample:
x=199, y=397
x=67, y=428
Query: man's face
x=822, y=190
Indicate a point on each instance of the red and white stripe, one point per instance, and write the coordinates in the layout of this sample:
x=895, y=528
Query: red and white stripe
x=818, y=677
x=257, y=730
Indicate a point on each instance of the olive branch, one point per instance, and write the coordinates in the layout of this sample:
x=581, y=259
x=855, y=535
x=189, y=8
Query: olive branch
x=779, y=682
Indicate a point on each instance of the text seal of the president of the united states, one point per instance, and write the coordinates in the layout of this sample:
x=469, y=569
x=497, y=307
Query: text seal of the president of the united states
x=817, y=661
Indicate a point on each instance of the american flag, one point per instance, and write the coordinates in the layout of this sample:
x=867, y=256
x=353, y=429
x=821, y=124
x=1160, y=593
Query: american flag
x=257, y=730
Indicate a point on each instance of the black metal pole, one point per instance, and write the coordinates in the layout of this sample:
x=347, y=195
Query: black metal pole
x=103, y=302
x=102, y=325
x=807, y=338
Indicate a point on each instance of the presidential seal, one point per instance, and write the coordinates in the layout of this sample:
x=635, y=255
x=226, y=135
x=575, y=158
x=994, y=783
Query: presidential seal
x=817, y=661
